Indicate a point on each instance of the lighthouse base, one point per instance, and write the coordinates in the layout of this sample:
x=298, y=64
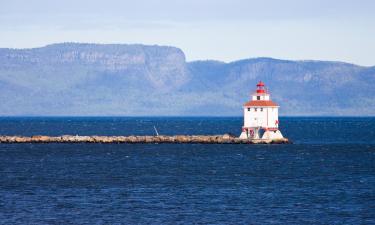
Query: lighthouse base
x=250, y=133
x=272, y=135
x=243, y=135
x=257, y=133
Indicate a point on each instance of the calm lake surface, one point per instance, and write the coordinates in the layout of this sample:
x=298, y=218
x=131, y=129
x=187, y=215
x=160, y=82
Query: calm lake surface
x=326, y=177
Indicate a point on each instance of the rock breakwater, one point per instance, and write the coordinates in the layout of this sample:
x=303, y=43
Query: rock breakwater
x=203, y=139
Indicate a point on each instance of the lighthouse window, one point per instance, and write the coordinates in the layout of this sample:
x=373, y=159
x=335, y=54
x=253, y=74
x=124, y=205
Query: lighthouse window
x=256, y=109
x=261, y=109
x=258, y=97
x=248, y=109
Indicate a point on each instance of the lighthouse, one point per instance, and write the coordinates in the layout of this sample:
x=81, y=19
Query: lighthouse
x=261, y=116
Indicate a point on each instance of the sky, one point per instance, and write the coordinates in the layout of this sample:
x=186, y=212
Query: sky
x=226, y=30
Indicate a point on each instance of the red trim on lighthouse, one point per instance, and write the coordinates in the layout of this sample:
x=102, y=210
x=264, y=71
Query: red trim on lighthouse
x=261, y=103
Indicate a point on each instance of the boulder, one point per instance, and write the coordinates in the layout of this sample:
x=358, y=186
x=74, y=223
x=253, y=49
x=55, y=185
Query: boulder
x=40, y=138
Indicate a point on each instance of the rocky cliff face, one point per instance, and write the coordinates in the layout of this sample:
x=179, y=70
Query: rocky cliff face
x=94, y=79
x=300, y=87
x=72, y=63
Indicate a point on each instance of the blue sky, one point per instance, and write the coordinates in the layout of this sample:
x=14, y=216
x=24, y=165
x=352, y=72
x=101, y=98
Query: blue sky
x=227, y=30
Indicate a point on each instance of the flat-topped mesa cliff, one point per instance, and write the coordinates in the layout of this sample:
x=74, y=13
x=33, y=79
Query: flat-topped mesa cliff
x=192, y=139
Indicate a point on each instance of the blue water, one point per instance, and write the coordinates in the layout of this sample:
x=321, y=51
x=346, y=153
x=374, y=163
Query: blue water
x=326, y=177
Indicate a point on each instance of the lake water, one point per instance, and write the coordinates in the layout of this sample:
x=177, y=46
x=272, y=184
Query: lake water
x=326, y=177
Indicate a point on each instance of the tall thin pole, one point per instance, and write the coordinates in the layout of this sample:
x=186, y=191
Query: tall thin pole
x=156, y=131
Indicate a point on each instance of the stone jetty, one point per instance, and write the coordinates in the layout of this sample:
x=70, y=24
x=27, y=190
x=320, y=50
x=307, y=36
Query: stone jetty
x=192, y=139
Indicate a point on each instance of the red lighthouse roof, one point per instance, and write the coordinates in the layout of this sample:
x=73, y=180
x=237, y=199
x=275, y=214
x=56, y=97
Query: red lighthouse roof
x=260, y=84
x=268, y=103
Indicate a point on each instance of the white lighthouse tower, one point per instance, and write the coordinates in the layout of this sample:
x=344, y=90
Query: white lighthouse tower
x=261, y=116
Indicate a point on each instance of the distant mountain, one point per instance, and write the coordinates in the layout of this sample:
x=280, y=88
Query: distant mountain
x=93, y=79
